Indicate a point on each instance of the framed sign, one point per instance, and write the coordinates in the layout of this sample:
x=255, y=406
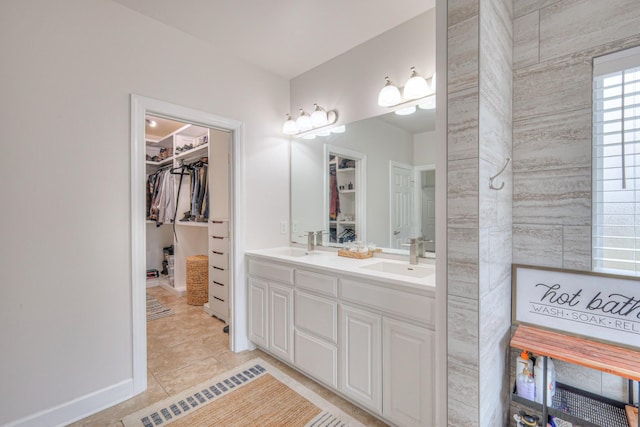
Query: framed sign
x=594, y=305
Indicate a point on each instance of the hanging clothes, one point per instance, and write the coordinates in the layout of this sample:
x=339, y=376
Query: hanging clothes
x=198, y=191
x=160, y=197
x=334, y=198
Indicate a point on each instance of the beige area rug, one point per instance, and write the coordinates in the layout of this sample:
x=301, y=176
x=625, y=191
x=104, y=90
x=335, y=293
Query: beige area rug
x=254, y=394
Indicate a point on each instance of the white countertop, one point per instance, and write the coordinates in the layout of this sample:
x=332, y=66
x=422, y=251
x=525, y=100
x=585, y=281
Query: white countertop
x=330, y=261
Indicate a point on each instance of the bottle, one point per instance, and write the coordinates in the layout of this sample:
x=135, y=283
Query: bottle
x=525, y=385
x=523, y=361
x=540, y=383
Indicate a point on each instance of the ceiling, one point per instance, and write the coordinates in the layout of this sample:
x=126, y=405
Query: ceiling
x=286, y=37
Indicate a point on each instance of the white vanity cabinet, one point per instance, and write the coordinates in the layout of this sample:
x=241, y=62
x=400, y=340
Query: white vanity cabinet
x=270, y=291
x=367, y=339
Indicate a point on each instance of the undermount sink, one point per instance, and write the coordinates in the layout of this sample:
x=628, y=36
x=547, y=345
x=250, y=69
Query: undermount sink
x=401, y=269
x=292, y=252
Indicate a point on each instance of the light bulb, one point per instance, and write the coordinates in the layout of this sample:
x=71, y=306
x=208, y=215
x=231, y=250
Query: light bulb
x=389, y=95
x=289, y=127
x=304, y=121
x=416, y=87
x=319, y=116
x=406, y=111
x=152, y=123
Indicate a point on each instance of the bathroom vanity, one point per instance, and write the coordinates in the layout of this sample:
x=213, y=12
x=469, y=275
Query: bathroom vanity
x=364, y=328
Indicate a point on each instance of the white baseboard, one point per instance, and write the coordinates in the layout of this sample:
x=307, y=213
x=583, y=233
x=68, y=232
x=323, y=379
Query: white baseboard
x=79, y=408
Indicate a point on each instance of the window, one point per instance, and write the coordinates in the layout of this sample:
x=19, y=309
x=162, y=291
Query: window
x=616, y=163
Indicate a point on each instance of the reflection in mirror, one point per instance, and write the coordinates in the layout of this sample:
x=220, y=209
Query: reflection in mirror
x=395, y=189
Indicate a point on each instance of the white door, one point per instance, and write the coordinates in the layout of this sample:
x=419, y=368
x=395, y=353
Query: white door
x=408, y=363
x=280, y=321
x=401, y=188
x=258, y=321
x=361, y=354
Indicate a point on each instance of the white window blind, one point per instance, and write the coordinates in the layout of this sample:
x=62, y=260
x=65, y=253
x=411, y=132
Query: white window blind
x=616, y=163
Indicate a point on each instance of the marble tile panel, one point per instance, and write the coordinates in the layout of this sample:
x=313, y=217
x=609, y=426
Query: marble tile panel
x=494, y=384
x=462, y=193
x=495, y=127
x=523, y=7
x=462, y=330
x=484, y=260
x=556, y=141
x=463, y=55
x=495, y=321
x=552, y=87
x=526, y=45
x=495, y=205
x=576, y=247
x=537, y=245
x=560, y=197
x=616, y=388
x=500, y=254
x=577, y=376
x=571, y=26
x=462, y=117
x=463, y=396
x=496, y=41
x=461, y=10
x=462, y=262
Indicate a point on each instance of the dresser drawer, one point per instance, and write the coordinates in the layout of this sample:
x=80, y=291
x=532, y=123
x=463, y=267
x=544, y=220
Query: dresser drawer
x=219, y=244
x=394, y=301
x=219, y=275
x=271, y=271
x=316, y=315
x=219, y=307
x=320, y=283
x=219, y=228
x=219, y=291
x=219, y=259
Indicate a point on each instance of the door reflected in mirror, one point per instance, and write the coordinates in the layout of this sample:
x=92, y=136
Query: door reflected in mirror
x=393, y=183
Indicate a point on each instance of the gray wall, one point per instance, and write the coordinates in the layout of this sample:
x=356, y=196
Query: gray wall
x=554, y=43
x=479, y=219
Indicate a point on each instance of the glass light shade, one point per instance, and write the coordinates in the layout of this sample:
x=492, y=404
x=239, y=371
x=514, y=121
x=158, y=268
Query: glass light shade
x=319, y=117
x=339, y=129
x=289, y=127
x=433, y=83
x=406, y=111
x=389, y=95
x=303, y=122
x=324, y=132
x=416, y=87
x=428, y=104
x=310, y=136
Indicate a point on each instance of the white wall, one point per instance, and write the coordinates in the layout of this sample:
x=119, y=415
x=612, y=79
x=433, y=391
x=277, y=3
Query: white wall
x=424, y=148
x=350, y=82
x=68, y=69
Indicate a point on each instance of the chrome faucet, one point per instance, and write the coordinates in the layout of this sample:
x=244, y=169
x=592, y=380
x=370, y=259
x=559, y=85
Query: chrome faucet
x=415, y=249
x=311, y=240
x=319, y=235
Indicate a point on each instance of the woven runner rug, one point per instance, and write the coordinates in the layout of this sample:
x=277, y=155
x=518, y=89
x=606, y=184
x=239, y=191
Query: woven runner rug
x=254, y=394
x=157, y=310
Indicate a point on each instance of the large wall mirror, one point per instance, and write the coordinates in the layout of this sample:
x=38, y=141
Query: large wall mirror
x=375, y=182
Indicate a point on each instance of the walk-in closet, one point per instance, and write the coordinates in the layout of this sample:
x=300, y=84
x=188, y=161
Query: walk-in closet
x=187, y=211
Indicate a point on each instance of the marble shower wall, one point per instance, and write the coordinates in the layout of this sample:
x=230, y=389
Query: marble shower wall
x=479, y=219
x=554, y=42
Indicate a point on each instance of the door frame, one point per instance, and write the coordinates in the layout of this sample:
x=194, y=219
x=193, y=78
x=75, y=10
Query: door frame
x=417, y=197
x=140, y=106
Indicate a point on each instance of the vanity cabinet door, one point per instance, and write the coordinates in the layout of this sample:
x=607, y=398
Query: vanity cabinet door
x=258, y=304
x=361, y=353
x=281, y=321
x=408, y=363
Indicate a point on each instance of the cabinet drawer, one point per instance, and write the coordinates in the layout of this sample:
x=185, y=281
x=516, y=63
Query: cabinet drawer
x=316, y=315
x=219, y=275
x=317, y=358
x=219, y=306
x=219, y=228
x=218, y=290
x=271, y=271
x=219, y=244
x=404, y=304
x=219, y=259
x=317, y=282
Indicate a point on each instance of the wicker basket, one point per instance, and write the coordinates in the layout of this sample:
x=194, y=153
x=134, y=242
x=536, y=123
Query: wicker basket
x=197, y=279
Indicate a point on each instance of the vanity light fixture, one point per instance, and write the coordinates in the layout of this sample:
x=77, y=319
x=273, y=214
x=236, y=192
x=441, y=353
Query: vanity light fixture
x=417, y=91
x=317, y=123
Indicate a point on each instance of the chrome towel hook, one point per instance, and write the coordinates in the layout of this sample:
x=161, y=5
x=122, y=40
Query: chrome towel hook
x=493, y=187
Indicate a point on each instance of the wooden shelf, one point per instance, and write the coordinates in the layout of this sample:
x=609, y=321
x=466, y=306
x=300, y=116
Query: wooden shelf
x=192, y=224
x=620, y=361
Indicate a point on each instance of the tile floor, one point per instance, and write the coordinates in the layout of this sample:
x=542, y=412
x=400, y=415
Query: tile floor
x=187, y=349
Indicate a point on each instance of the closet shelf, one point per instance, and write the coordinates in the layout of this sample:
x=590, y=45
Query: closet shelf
x=166, y=161
x=192, y=224
x=194, y=152
x=346, y=169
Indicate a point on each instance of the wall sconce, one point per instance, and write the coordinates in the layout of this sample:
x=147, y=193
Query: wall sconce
x=313, y=124
x=416, y=91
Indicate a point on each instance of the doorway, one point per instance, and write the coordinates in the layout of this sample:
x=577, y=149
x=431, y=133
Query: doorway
x=140, y=108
